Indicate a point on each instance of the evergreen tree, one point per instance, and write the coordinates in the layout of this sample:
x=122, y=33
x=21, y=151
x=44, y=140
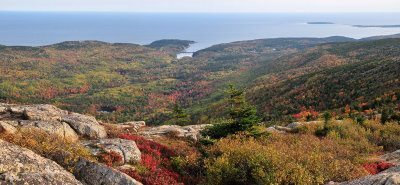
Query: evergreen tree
x=327, y=116
x=322, y=132
x=242, y=116
x=180, y=117
x=385, y=116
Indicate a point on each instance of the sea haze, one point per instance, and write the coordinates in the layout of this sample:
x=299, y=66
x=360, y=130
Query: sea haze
x=44, y=28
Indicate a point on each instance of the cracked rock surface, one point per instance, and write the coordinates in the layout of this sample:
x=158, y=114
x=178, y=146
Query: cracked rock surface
x=21, y=166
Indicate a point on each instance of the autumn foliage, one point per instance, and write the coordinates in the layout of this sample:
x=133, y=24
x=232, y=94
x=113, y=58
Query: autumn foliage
x=375, y=168
x=156, y=159
x=280, y=159
x=110, y=158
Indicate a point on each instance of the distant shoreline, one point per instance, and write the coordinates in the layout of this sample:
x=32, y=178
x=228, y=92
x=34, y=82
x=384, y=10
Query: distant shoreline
x=377, y=26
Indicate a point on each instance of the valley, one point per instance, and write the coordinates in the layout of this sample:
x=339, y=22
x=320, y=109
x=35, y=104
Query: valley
x=121, y=82
x=266, y=111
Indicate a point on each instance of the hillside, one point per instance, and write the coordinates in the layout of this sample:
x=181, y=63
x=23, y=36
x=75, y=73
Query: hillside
x=120, y=82
x=330, y=76
x=171, y=45
x=287, y=83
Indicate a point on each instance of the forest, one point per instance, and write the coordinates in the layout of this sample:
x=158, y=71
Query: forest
x=285, y=78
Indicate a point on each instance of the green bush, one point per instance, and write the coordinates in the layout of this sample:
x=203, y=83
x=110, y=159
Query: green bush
x=389, y=136
x=280, y=159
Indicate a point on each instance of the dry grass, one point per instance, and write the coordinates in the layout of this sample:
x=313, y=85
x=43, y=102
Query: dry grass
x=45, y=144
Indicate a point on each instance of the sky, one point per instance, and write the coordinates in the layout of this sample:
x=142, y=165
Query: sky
x=203, y=5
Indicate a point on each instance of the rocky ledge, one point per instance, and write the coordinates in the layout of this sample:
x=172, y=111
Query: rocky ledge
x=50, y=119
x=21, y=166
x=126, y=148
x=393, y=157
x=190, y=131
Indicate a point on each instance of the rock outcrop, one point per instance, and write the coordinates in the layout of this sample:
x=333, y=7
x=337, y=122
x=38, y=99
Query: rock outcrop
x=85, y=125
x=7, y=127
x=393, y=157
x=93, y=173
x=296, y=124
x=134, y=124
x=190, y=131
x=126, y=148
x=127, y=127
x=43, y=112
x=275, y=130
x=51, y=119
x=3, y=108
x=21, y=166
x=55, y=127
x=390, y=176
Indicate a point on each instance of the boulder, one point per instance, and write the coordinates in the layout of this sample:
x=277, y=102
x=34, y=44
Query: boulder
x=85, y=125
x=190, y=131
x=42, y=112
x=7, y=128
x=274, y=130
x=126, y=148
x=21, y=166
x=294, y=124
x=6, y=114
x=393, y=157
x=285, y=129
x=390, y=176
x=393, y=180
x=54, y=120
x=135, y=124
x=93, y=173
x=53, y=127
x=130, y=127
x=4, y=108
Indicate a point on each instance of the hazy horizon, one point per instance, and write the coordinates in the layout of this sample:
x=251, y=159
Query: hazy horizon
x=38, y=29
x=89, y=11
x=202, y=6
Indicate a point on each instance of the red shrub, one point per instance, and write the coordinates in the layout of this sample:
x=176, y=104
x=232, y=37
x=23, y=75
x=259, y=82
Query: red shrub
x=149, y=162
x=375, y=168
x=110, y=158
x=150, y=147
x=155, y=157
x=158, y=177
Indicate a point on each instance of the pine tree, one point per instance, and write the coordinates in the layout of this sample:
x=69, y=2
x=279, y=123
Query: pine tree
x=242, y=116
x=180, y=117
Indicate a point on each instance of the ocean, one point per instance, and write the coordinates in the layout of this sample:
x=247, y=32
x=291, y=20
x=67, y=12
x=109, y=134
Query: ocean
x=206, y=29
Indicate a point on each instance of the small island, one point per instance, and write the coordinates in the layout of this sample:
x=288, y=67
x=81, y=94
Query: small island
x=320, y=23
